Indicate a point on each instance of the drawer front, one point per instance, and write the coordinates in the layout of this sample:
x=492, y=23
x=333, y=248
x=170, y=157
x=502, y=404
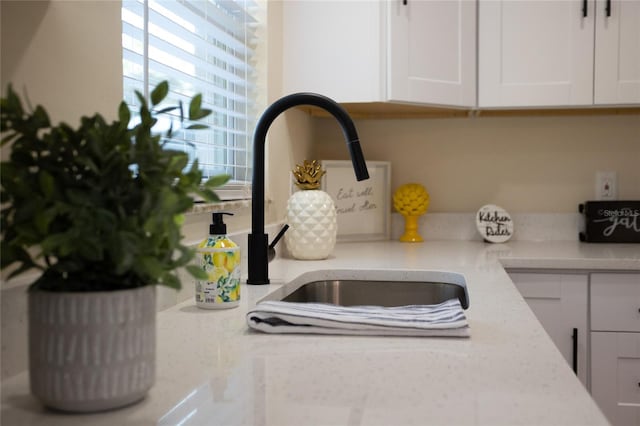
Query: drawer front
x=615, y=302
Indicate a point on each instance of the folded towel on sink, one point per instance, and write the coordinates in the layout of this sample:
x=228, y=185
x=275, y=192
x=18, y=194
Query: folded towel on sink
x=444, y=319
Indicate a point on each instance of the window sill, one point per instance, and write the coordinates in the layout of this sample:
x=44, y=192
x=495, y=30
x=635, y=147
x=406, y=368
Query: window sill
x=222, y=205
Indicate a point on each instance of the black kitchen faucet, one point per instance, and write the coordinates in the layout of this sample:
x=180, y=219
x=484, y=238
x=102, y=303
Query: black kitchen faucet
x=258, y=266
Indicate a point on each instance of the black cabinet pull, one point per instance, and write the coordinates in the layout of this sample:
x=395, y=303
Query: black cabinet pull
x=404, y=2
x=584, y=8
x=607, y=8
x=575, y=350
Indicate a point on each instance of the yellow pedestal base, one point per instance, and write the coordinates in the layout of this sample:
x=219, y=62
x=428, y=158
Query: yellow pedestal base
x=411, y=230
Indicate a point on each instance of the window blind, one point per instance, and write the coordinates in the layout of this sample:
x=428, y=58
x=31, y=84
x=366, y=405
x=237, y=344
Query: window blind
x=200, y=46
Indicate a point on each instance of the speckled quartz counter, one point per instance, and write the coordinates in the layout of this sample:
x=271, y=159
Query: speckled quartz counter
x=211, y=369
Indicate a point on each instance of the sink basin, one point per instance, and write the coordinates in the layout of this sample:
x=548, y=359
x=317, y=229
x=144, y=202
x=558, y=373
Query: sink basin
x=350, y=289
x=378, y=293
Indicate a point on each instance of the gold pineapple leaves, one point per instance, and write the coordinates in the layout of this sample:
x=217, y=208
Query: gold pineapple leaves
x=308, y=174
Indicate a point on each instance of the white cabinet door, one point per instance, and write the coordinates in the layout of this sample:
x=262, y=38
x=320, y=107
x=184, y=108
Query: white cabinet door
x=381, y=50
x=559, y=301
x=432, y=52
x=333, y=48
x=535, y=53
x=617, y=60
x=615, y=376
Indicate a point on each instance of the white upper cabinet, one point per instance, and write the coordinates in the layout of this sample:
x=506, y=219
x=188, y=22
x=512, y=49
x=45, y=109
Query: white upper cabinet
x=421, y=52
x=333, y=48
x=536, y=53
x=617, y=62
x=432, y=52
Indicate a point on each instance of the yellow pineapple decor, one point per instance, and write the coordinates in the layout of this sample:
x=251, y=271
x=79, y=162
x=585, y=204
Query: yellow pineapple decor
x=311, y=215
x=411, y=200
x=308, y=174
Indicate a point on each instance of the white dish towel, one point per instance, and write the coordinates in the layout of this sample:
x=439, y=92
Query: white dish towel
x=444, y=319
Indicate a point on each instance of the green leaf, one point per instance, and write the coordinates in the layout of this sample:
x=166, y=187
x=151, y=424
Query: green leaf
x=123, y=248
x=140, y=96
x=171, y=280
x=217, y=180
x=124, y=114
x=197, y=115
x=159, y=93
x=13, y=103
x=167, y=109
x=23, y=268
x=57, y=244
x=43, y=218
x=8, y=138
x=47, y=184
x=178, y=162
x=179, y=219
x=150, y=266
x=196, y=272
x=40, y=118
x=208, y=195
x=186, y=255
x=197, y=127
x=194, y=106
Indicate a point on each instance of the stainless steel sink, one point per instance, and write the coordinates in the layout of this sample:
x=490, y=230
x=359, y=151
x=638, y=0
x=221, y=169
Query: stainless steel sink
x=351, y=292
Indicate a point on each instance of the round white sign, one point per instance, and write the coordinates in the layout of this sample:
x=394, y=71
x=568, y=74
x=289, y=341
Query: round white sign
x=494, y=223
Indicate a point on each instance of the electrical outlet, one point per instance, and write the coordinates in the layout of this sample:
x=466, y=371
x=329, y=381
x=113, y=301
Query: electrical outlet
x=606, y=186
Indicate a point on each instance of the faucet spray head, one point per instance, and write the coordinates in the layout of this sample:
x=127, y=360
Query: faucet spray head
x=357, y=160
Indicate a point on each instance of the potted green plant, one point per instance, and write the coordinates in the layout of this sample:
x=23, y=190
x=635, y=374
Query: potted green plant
x=98, y=210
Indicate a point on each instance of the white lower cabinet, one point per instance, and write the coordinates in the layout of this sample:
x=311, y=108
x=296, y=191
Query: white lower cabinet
x=615, y=376
x=604, y=308
x=615, y=346
x=560, y=303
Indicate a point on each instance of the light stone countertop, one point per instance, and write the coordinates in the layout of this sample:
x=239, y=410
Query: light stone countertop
x=211, y=369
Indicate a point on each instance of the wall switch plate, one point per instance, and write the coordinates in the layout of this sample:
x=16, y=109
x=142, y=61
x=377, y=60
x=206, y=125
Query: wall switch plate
x=606, y=186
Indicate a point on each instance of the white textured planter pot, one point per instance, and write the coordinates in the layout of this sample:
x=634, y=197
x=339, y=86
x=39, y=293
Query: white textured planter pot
x=92, y=351
x=312, y=220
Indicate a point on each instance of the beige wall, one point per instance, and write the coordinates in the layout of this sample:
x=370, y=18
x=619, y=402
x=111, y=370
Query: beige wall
x=524, y=164
x=288, y=139
x=67, y=55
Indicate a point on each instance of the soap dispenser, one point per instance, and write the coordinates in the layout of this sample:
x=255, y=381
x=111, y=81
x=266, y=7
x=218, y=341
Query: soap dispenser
x=219, y=257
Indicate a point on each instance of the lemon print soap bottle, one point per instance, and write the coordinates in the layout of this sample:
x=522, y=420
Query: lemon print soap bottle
x=219, y=257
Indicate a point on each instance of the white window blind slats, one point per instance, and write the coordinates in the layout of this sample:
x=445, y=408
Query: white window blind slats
x=213, y=28
x=191, y=42
x=200, y=46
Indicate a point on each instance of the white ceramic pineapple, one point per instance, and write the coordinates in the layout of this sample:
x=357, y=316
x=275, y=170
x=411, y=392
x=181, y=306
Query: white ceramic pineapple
x=311, y=215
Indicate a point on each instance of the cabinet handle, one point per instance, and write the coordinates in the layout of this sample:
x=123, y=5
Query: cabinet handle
x=607, y=8
x=404, y=2
x=584, y=8
x=575, y=350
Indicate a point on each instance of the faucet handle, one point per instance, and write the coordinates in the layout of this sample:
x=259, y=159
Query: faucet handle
x=271, y=253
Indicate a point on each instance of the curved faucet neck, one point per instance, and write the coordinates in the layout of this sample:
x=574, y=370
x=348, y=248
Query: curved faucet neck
x=258, y=263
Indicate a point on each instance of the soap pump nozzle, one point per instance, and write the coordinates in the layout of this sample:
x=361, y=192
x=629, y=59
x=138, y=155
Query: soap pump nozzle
x=218, y=227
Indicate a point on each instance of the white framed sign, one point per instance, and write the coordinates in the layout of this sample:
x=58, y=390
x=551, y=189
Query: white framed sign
x=494, y=224
x=363, y=208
